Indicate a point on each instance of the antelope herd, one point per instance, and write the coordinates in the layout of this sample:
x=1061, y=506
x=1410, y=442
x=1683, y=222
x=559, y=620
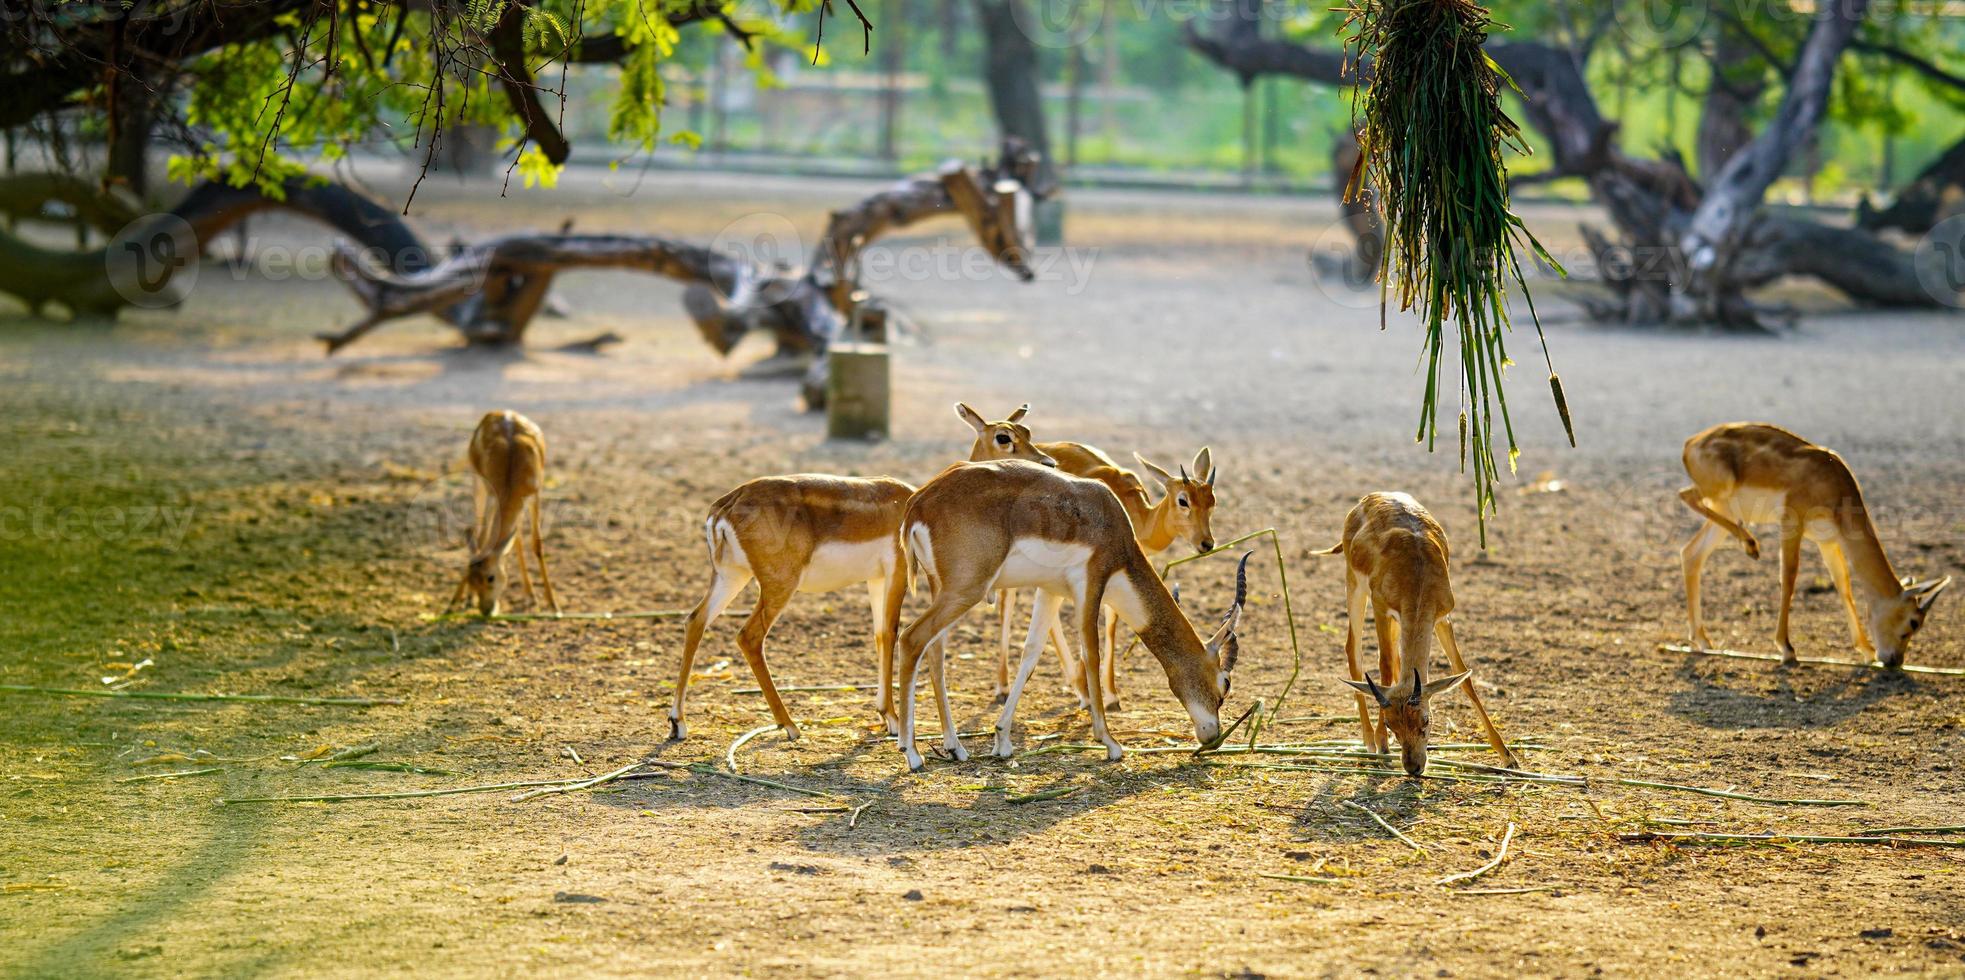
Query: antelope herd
x=1064, y=520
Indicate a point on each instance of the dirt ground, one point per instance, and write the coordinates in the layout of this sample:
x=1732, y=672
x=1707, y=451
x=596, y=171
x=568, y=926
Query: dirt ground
x=201, y=490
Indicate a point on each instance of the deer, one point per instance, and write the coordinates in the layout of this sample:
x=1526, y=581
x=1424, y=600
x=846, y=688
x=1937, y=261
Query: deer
x=978, y=528
x=1395, y=559
x=508, y=456
x=1747, y=473
x=1184, y=512
x=816, y=533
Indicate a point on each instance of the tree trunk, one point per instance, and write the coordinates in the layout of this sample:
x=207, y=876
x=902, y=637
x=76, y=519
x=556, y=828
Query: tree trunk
x=1010, y=73
x=1739, y=79
x=1713, y=237
x=136, y=267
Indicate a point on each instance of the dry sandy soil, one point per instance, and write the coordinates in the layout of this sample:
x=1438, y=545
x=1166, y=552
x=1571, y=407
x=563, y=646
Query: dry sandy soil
x=201, y=490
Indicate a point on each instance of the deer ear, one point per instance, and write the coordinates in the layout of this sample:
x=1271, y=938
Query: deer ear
x=967, y=414
x=1446, y=684
x=1159, y=474
x=1367, y=687
x=1204, y=465
x=1022, y=410
x=1928, y=593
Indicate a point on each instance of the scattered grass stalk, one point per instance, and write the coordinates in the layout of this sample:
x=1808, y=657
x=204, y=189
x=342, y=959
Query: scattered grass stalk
x=169, y=775
x=1289, y=614
x=1702, y=837
x=1056, y=793
x=1820, y=661
x=408, y=795
x=811, y=687
x=1885, y=831
x=1499, y=856
x=730, y=754
x=587, y=784
x=1394, y=831
x=1742, y=797
x=66, y=692
x=1306, y=879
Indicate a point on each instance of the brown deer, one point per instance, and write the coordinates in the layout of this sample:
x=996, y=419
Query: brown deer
x=816, y=533
x=982, y=527
x=508, y=454
x=1753, y=473
x=1184, y=512
x=1395, y=558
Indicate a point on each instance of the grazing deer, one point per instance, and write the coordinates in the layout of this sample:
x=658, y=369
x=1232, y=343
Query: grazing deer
x=508, y=454
x=1395, y=557
x=1751, y=473
x=817, y=533
x=981, y=527
x=1185, y=512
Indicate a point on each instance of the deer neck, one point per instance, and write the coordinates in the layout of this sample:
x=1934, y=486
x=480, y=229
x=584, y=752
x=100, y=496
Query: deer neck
x=1416, y=617
x=1156, y=528
x=1869, y=567
x=1143, y=601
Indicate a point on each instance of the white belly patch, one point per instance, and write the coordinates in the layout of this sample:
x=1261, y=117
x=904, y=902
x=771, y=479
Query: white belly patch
x=838, y=564
x=1054, y=566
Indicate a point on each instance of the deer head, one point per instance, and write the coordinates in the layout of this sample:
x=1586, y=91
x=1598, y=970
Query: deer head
x=1192, y=498
x=1894, y=620
x=1404, y=710
x=1008, y=439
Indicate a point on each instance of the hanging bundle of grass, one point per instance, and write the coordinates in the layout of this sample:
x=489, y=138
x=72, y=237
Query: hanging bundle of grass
x=1431, y=133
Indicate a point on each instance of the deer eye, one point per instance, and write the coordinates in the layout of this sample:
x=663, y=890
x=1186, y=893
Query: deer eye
x=1182, y=500
x=1002, y=440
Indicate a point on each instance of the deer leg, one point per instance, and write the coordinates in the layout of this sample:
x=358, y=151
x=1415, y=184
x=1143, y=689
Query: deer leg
x=1838, y=564
x=539, y=552
x=1386, y=623
x=1044, y=612
x=1111, y=659
x=1693, y=559
x=1790, y=568
x=1444, y=631
x=1074, y=667
x=886, y=625
x=518, y=551
x=1697, y=502
x=1006, y=601
x=1354, y=598
x=949, y=605
x=771, y=600
x=725, y=583
x=1089, y=628
x=938, y=675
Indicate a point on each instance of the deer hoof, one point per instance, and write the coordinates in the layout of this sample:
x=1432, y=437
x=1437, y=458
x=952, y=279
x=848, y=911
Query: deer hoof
x=791, y=733
x=914, y=761
x=677, y=730
x=1753, y=548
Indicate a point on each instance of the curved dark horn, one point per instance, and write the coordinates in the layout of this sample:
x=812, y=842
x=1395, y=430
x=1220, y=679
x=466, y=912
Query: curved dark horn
x=1212, y=473
x=1183, y=473
x=1417, y=687
x=1241, y=582
x=1376, y=692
